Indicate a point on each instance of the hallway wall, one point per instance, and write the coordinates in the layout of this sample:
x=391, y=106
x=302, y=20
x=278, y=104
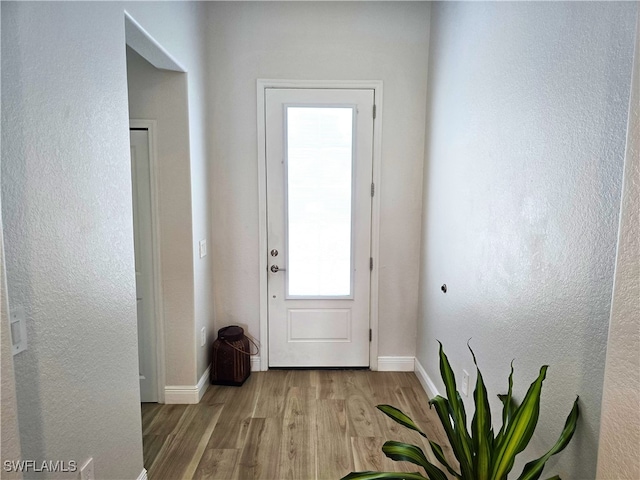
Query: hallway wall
x=179, y=28
x=66, y=205
x=162, y=96
x=527, y=116
x=10, y=434
x=620, y=425
x=317, y=41
x=67, y=222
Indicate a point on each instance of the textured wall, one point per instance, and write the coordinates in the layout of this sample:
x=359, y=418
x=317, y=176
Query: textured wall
x=620, y=425
x=9, y=436
x=317, y=41
x=179, y=28
x=162, y=96
x=527, y=117
x=66, y=205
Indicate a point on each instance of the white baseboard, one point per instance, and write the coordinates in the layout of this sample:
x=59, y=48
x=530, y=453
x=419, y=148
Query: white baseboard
x=143, y=475
x=255, y=364
x=203, y=383
x=187, y=394
x=426, y=382
x=181, y=394
x=396, y=364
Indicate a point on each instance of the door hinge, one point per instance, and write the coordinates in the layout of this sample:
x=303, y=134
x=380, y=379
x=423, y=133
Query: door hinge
x=370, y=335
x=373, y=189
x=374, y=111
x=370, y=263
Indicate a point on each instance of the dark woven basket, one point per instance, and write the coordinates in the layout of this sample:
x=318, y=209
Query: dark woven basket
x=231, y=357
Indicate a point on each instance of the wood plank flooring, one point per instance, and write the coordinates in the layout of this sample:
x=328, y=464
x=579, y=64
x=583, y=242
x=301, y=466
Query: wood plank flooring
x=287, y=424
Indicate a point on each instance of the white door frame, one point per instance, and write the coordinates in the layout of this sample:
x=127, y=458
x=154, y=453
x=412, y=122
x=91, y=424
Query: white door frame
x=156, y=277
x=376, y=86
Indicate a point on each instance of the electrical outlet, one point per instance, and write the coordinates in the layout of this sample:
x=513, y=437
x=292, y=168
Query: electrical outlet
x=203, y=337
x=203, y=248
x=465, y=383
x=86, y=472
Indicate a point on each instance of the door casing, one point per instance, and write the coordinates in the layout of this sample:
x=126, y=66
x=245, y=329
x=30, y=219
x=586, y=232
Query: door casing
x=150, y=125
x=376, y=86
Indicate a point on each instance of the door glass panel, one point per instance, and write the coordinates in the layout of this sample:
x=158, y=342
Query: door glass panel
x=319, y=201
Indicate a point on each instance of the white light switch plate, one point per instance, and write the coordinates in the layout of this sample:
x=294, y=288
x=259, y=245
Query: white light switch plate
x=18, y=330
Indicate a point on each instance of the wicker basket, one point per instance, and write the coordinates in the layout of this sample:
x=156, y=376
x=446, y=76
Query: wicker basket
x=231, y=357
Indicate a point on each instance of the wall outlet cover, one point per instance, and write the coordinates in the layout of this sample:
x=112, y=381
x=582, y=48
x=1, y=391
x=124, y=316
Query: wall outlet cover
x=465, y=383
x=18, y=330
x=86, y=471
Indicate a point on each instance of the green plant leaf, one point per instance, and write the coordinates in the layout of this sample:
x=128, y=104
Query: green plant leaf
x=533, y=469
x=464, y=452
x=383, y=476
x=508, y=407
x=398, y=416
x=443, y=410
x=481, y=427
x=404, y=452
x=439, y=453
x=520, y=429
x=463, y=415
x=481, y=455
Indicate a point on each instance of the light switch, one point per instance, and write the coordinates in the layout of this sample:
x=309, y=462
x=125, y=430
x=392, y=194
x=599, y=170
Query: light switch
x=18, y=330
x=203, y=248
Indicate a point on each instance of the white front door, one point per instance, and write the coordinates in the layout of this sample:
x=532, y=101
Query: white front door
x=319, y=154
x=142, y=238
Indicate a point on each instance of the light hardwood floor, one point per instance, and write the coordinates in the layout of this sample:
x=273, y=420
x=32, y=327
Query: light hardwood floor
x=287, y=424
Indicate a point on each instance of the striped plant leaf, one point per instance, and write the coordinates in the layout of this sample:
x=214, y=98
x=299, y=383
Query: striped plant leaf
x=481, y=428
x=463, y=415
x=443, y=410
x=480, y=455
x=383, y=476
x=457, y=413
x=398, y=416
x=533, y=469
x=439, y=453
x=508, y=407
x=404, y=452
x=520, y=429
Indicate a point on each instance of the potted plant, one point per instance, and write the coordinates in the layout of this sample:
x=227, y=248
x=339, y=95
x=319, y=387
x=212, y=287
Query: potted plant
x=481, y=454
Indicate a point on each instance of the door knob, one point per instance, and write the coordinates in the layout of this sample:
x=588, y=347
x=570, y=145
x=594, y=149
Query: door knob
x=276, y=269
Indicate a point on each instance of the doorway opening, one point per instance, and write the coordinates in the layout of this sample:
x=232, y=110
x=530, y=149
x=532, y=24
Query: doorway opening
x=149, y=68
x=147, y=262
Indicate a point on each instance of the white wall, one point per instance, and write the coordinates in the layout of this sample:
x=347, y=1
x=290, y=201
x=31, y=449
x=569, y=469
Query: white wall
x=162, y=96
x=620, y=425
x=66, y=205
x=317, y=41
x=179, y=28
x=526, y=118
x=10, y=435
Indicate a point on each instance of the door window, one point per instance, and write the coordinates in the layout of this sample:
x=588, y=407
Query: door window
x=319, y=191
